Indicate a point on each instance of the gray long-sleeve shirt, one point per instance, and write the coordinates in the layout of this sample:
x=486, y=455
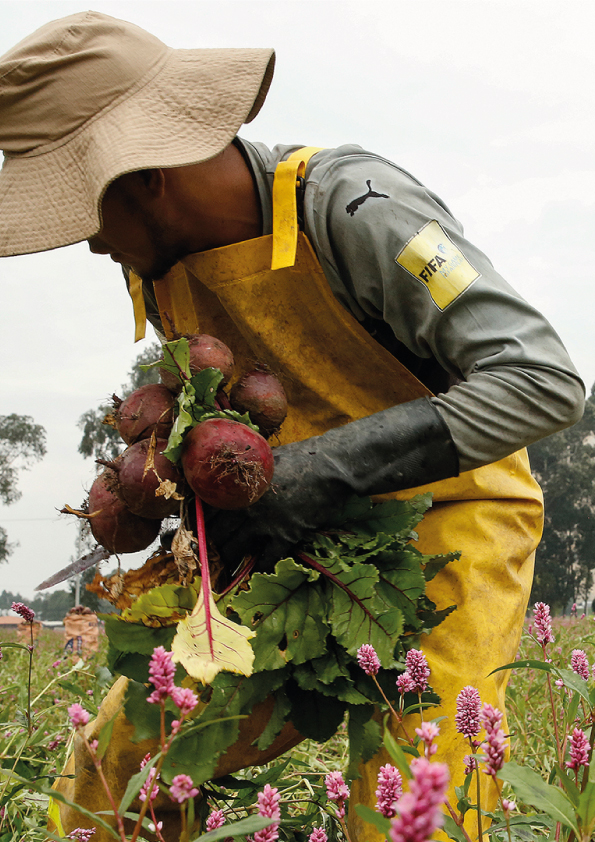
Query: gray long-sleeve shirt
x=393, y=254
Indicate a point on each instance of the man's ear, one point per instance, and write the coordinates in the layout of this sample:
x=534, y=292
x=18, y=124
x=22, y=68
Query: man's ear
x=153, y=181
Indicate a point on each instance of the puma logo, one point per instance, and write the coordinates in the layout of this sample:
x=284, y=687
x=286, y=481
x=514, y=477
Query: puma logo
x=353, y=206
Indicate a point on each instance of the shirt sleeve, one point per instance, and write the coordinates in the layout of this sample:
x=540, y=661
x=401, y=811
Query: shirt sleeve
x=391, y=250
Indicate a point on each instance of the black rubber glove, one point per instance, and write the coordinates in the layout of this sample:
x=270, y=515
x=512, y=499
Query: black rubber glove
x=401, y=447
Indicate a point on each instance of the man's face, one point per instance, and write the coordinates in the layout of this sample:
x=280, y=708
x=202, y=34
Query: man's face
x=132, y=235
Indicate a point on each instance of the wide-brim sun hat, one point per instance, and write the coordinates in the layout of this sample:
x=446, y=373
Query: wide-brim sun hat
x=87, y=98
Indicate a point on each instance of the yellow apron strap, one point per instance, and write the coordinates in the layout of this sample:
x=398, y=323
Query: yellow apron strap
x=285, y=224
x=135, y=288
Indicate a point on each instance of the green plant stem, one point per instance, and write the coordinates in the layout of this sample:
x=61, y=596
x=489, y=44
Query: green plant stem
x=478, y=784
x=29, y=722
x=344, y=828
x=551, y=694
x=457, y=819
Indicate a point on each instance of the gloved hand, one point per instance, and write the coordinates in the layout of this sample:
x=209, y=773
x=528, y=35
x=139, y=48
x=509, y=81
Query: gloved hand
x=401, y=447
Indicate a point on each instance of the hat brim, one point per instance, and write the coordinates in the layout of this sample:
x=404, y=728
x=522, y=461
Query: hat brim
x=189, y=111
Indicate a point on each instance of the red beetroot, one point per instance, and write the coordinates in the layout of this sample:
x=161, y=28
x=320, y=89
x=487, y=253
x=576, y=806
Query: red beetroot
x=205, y=352
x=136, y=487
x=147, y=410
x=114, y=526
x=261, y=395
x=226, y=463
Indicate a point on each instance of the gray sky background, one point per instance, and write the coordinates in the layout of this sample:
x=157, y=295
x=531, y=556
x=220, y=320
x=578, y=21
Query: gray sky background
x=489, y=103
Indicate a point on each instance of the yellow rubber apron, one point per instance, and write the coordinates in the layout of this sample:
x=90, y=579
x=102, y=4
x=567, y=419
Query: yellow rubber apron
x=334, y=373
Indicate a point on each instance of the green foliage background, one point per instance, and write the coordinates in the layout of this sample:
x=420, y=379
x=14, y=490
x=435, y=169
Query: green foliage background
x=564, y=466
x=22, y=442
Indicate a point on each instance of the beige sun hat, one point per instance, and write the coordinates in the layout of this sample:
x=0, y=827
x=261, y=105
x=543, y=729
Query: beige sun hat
x=87, y=98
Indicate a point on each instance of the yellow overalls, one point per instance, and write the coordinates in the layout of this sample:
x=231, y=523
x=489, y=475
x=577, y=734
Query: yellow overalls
x=334, y=373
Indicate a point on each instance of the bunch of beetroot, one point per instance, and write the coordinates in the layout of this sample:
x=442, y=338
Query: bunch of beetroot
x=186, y=432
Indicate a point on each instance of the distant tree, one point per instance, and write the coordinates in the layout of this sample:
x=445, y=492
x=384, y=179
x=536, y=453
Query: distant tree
x=52, y=606
x=22, y=442
x=7, y=598
x=564, y=465
x=100, y=440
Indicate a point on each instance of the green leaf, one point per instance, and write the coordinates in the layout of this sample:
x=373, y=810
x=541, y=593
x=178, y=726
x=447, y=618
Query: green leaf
x=359, y=614
x=105, y=734
x=586, y=805
x=164, y=603
x=395, y=517
x=241, y=828
x=315, y=716
x=146, y=718
x=205, y=384
x=183, y=423
x=364, y=737
x=573, y=682
x=277, y=720
x=176, y=356
x=288, y=615
x=397, y=754
x=525, y=664
x=135, y=637
x=135, y=783
x=532, y=789
x=435, y=564
x=45, y=789
x=380, y=822
x=452, y=830
x=402, y=582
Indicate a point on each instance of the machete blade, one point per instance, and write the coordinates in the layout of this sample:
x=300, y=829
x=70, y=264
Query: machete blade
x=82, y=563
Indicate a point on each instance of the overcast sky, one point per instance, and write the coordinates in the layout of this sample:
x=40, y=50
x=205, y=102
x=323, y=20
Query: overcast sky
x=490, y=103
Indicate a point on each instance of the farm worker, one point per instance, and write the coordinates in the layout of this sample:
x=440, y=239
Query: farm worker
x=410, y=363
x=81, y=632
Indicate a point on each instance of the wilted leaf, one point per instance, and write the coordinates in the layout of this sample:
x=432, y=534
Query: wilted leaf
x=162, y=606
x=207, y=642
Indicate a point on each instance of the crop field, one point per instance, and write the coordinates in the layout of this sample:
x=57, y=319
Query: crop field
x=539, y=737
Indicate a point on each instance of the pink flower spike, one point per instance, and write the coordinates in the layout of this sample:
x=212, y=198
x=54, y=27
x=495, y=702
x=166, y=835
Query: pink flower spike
x=418, y=669
x=579, y=663
x=390, y=789
x=559, y=682
x=182, y=788
x=494, y=743
x=318, y=835
x=82, y=834
x=337, y=791
x=470, y=764
x=21, y=609
x=268, y=806
x=467, y=715
x=161, y=675
x=579, y=750
x=428, y=733
x=508, y=806
x=184, y=698
x=78, y=715
x=215, y=819
x=543, y=623
x=419, y=810
x=149, y=789
x=368, y=659
x=405, y=683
